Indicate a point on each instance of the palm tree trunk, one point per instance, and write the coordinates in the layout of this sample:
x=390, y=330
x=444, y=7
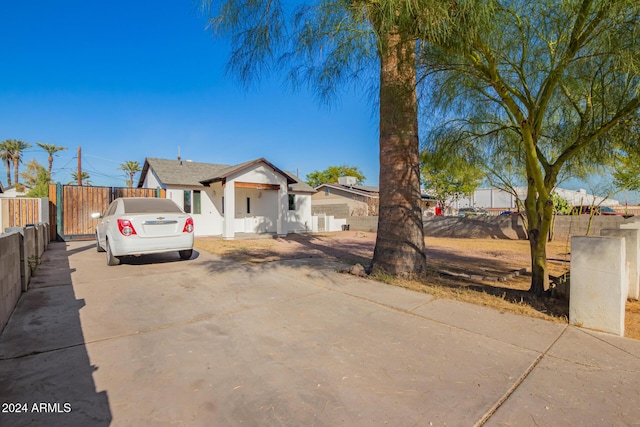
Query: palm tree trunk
x=399, y=246
x=8, y=165
x=50, y=164
x=16, y=162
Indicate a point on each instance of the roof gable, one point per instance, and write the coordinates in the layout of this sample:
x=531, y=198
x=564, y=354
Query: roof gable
x=226, y=172
x=187, y=173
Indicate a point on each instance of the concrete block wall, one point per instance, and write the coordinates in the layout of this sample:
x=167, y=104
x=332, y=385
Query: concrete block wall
x=499, y=227
x=599, y=283
x=10, y=277
x=336, y=210
x=567, y=226
x=363, y=223
x=493, y=227
x=42, y=238
x=21, y=249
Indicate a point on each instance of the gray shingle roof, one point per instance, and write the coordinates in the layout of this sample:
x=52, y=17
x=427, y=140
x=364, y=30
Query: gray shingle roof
x=174, y=172
x=299, y=186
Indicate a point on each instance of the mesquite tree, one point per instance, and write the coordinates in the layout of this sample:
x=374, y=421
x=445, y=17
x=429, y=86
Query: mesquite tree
x=552, y=82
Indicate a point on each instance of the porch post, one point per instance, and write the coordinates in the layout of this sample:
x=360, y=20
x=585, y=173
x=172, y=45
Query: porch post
x=228, y=226
x=281, y=229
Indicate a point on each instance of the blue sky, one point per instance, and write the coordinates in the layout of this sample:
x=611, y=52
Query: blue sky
x=129, y=80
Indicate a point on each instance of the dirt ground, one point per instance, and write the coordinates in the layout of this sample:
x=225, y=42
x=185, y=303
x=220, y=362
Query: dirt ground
x=479, y=271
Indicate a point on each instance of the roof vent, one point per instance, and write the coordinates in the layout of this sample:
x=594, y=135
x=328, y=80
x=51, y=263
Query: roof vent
x=348, y=180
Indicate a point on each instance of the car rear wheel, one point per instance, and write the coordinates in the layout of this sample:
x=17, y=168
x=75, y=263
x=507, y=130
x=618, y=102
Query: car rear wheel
x=111, y=260
x=186, y=254
x=98, y=247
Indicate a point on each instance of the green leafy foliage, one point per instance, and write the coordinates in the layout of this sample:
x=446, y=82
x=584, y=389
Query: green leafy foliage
x=36, y=178
x=331, y=174
x=560, y=204
x=448, y=175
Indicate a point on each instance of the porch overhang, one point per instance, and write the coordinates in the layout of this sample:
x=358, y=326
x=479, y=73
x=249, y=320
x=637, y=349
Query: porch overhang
x=257, y=185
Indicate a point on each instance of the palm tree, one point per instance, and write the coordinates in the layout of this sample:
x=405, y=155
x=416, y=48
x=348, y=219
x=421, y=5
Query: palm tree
x=7, y=156
x=51, y=149
x=16, y=147
x=85, y=178
x=130, y=167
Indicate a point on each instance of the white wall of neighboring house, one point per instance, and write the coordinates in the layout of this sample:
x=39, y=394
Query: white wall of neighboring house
x=495, y=198
x=581, y=197
x=12, y=193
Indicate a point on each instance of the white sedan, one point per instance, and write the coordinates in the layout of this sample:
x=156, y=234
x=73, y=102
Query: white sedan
x=138, y=225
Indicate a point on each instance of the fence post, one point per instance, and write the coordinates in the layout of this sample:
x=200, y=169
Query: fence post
x=59, y=213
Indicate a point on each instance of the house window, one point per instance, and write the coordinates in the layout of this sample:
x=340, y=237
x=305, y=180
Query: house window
x=192, y=202
x=197, y=209
x=326, y=191
x=187, y=201
x=292, y=202
x=248, y=205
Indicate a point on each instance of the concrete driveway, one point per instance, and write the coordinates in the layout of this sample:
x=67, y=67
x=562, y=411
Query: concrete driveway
x=211, y=342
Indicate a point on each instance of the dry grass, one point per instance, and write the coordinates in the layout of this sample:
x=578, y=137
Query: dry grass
x=632, y=320
x=481, y=257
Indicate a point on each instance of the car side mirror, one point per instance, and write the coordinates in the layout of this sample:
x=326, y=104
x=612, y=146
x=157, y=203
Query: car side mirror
x=96, y=215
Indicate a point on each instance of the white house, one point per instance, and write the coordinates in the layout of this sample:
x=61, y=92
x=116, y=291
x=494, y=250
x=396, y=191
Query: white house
x=251, y=197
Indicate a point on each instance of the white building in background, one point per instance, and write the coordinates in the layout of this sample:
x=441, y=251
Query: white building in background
x=499, y=199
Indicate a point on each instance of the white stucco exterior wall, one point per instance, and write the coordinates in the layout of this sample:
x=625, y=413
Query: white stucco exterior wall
x=209, y=221
x=299, y=220
x=151, y=180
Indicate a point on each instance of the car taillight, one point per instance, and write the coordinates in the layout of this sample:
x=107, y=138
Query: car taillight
x=188, y=226
x=125, y=227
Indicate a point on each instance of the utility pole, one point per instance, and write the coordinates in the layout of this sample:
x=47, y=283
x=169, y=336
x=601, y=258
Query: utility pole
x=80, y=166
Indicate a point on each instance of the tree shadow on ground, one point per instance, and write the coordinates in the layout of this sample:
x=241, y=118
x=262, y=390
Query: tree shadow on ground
x=303, y=246
x=506, y=291
x=318, y=246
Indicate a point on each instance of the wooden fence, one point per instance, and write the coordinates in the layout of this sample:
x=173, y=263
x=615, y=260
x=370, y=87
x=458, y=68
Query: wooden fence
x=18, y=212
x=71, y=207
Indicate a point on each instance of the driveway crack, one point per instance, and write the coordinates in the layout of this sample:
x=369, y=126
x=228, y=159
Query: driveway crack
x=520, y=380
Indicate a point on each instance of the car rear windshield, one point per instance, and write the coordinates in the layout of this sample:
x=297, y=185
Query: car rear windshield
x=150, y=205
